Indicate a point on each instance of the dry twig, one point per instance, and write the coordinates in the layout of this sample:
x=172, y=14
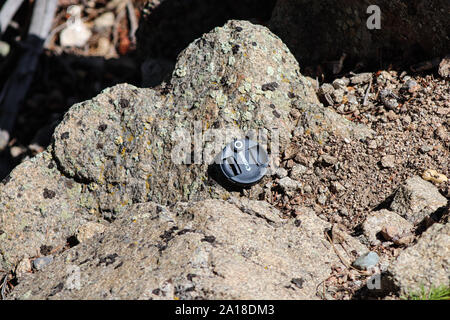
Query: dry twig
x=17, y=85
x=8, y=11
x=366, y=96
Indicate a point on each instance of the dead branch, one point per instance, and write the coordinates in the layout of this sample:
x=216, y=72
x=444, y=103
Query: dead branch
x=8, y=11
x=133, y=21
x=18, y=83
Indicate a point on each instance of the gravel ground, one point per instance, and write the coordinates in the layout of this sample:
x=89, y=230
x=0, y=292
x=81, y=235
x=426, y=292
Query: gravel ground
x=345, y=180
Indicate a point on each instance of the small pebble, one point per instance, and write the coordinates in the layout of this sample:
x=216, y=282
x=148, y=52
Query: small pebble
x=340, y=84
x=361, y=78
x=298, y=171
x=322, y=199
x=42, y=262
x=367, y=261
x=281, y=173
x=388, y=161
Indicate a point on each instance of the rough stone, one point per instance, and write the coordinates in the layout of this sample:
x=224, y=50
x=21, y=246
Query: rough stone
x=361, y=78
x=281, y=173
x=23, y=268
x=289, y=186
x=298, y=171
x=201, y=250
x=388, y=161
x=42, y=262
x=378, y=220
x=417, y=199
x=426, y=263
x=131, y=145
x=132, y=157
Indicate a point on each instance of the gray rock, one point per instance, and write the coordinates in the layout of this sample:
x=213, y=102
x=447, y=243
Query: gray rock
x=347, y=244
x=389, y=99
x=341, y=83
x=328, y=160
x=307, y=188
x=112, y=157
x=337, y=187
x=42, y=262
x=298, y=171
x=89, y=230
x=321, y=123
x=427, y=263
x=417, y=199
x=367, y=261
x=126, y=149
x=322, y=199
x=388, y=161
x=338, y=95
x=378, y=220
x=289, y=186
x=326, y=88
x=198, y=250
x=426, y=148
x=281, y=173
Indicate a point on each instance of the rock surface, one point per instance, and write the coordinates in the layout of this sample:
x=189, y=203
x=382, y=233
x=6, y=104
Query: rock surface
x=378, y=220
x=118, y=149
x=206, y=250
x=367, y=261
x=417, y=199
x=426, y=263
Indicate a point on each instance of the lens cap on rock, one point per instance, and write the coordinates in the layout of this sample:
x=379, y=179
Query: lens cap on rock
x=243, y=162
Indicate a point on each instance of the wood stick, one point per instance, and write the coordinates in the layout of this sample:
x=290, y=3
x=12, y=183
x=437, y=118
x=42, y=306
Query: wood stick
x=8, y=11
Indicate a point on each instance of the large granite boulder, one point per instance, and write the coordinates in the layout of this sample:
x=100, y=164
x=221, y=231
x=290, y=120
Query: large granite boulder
x=212, y=249
x=122, y=148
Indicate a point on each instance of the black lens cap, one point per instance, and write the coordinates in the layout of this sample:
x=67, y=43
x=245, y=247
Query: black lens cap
x=243, y=162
